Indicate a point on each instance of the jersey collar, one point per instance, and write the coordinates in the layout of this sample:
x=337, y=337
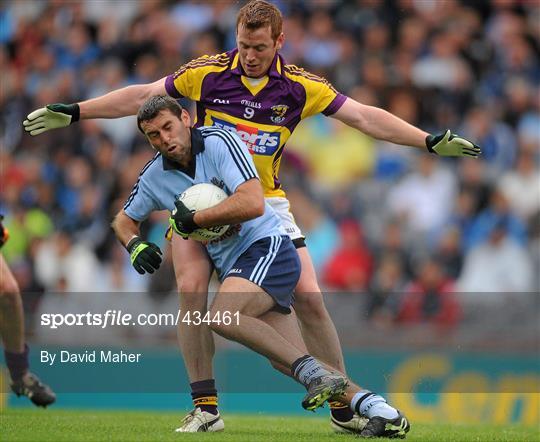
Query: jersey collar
x=197, y=146
x=274, y=71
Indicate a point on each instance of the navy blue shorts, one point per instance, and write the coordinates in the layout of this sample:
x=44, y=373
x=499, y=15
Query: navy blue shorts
x=273, y=264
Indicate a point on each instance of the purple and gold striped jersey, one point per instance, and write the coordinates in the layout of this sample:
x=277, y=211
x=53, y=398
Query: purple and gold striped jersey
x=263, y=114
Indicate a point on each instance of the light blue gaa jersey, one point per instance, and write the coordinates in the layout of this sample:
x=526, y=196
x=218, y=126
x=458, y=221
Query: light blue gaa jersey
x=222, y=159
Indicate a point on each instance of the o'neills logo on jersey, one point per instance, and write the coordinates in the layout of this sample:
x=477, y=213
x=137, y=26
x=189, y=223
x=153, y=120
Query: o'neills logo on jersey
x=217, y=182
x=258, y=141
x=251, y=104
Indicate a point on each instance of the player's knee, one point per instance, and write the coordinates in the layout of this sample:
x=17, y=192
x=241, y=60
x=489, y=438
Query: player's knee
x=192, y=285
x=310, y=306
x=9, y=293
x=307, y=284
x=193, y=301
x=8, y=285
x=220, y=327
x=193, y=293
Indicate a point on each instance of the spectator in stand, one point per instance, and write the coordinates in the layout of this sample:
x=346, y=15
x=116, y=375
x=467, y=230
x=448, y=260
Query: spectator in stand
x=449, y=253
x=393, y=243
x=424, y=198
x=344, y=78
x=498, y=264
x=322, y=234
x=76, y=49
x=63, y=265
x=498, y=140
x=463, y=216
x=349, y=269
x=385, y=290
x=322, y=48
x=442, y=67
x=498, y=211
x=473, y=179
x=528, y=124
x=521, y=186
x=430, y=298
x=519, y=95
x=315, y=142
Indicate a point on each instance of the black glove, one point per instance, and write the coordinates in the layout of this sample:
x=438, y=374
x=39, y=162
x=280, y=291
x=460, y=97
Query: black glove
x=145, y=256
x=448, y=144
x=181, y=220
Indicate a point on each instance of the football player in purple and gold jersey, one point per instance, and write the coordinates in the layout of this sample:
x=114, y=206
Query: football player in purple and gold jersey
x=252, y=91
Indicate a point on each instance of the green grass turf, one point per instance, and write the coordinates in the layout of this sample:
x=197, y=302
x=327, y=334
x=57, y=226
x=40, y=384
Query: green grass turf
x=90, y=425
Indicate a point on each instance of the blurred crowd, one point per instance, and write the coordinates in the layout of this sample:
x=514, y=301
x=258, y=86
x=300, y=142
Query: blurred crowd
x=402, y=228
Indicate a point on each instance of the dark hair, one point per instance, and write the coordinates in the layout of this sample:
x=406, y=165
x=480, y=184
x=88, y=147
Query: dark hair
x=154, y=105
x=259, y=14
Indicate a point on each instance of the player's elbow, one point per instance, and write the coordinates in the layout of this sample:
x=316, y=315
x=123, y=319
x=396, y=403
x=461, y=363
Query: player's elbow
x=252, y=205
x=256, y=208
x=259, y=207
x=120, y=223
x=251, y=199
x=151, y=89
x=355, y=114
x=115, y=223
x=361, y=118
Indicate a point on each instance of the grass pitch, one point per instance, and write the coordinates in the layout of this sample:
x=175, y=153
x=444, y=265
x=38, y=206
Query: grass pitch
x=89, y=425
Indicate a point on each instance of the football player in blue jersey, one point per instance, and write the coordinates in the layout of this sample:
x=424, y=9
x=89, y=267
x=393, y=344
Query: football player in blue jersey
x=257, y=264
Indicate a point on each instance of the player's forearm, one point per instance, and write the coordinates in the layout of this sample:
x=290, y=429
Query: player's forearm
x=233, y=210
x=380, y=124
x=124, y=228
x=383, y=125
x=238, y=208
x=115, y=104
x=121, y=102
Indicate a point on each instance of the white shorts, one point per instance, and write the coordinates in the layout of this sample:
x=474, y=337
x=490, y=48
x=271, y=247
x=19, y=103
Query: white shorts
x=282, y=208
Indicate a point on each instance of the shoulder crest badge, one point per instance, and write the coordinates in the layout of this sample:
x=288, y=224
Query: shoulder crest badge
x=278, y=113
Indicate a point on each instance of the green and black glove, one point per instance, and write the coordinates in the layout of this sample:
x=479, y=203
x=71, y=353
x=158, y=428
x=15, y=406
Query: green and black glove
x=448, y=144
x=145, y=256
x=181, y=220
x=50, y=117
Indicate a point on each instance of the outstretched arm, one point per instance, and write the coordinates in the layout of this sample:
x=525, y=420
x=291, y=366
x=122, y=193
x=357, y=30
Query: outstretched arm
x=115, y=104
x=380, y=124
x=121, y=102
x=383, y=125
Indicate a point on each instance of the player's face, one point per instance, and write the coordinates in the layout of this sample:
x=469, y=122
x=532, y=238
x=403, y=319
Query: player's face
x=257, y=49
x=170, y=135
